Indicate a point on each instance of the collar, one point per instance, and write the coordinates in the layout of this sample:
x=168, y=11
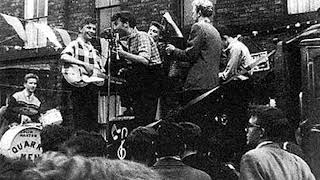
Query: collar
x=86, y=44
x=134, y=33
x=171, y=157
x=264, y=143
x=204, y=19
x=27, y=93
x=188, y=153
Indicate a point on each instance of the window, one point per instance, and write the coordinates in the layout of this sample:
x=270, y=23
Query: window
x=35, y=11
x=106, y=9
x=302, y=6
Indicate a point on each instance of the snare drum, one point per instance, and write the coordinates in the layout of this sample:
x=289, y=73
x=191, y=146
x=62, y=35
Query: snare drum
x=52, y=116
x=22, y=142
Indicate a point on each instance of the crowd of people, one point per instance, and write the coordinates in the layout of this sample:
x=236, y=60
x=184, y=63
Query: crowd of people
x=164, y=150
x=187, y=143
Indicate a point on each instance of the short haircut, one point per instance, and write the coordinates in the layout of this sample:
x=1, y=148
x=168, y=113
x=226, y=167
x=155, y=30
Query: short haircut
x=30, y=76
x=158, y=25
x=87, y=144
x=169, y=141
x=125, y=17
x=87, y=20
x=191, y=134
x=274, y=122
x=140, y=143
x=224, y=30
x=53, y=136
x=205, y=7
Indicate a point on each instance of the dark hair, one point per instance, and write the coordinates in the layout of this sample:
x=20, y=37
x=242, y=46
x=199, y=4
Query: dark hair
x=169, y=141
x=224, y=30
x=125, y=17
x=158, y=25
x=191, y=134
x=86, y=144
x=274, y=122
x=30, y=76
x=53, y=136
x=205, y=11
x=86, y=21
x=140, y=143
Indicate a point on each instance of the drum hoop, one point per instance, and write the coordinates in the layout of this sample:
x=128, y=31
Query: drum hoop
x=11, y=134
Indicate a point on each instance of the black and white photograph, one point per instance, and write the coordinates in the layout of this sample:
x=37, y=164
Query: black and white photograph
x=159, y=89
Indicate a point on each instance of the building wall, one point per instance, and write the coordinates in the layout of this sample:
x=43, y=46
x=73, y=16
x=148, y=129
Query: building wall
x=146, y=11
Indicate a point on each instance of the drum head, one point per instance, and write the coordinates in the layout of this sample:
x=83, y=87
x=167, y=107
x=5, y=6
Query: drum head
x=22, y=142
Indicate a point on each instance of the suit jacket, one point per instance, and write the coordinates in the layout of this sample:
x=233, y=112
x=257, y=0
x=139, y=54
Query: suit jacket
x=215, y=168
x=173, y=169
x=203, y=53
x=270, y=162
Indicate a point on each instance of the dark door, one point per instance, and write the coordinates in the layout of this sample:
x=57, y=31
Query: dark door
x=310, y=100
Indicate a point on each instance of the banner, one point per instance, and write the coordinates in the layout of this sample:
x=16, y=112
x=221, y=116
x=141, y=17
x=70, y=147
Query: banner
x=64, y=36
x=48, y=32
x=17, y=26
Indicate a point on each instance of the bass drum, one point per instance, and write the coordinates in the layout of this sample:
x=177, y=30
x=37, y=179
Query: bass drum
x=22, y=142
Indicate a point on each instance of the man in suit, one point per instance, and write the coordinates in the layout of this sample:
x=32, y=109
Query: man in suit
x=203, y=53
x=267, y=128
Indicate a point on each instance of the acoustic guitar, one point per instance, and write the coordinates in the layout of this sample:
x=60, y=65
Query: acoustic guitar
x=78, y=76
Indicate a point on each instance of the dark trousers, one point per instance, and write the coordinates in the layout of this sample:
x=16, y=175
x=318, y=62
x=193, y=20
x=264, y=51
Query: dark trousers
x=141, y=93
x=84, y=106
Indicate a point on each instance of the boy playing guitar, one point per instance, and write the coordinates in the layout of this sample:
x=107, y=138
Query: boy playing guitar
x=83, y=71
x=81, y=62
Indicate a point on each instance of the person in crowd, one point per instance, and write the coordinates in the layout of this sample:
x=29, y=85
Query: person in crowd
x=143, y=81
x=308, y=138
x=140, y=144
x=192, y=156
x=24, y=106
x=169, y=146
x=266, y=128
x=236, y=93
x=11, y=169
x=88, y=144
x=57, y=166
x=82, y=56
x=53, y=136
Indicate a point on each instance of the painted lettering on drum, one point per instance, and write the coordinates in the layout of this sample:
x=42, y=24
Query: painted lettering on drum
x=30, y=156
x=24, y=145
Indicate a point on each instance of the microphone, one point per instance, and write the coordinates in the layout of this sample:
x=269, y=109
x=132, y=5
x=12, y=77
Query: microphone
x=116, y=43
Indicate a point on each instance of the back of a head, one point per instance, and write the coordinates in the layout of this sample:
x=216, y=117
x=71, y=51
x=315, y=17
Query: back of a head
x=191, y=134
x=53, y=136
x=55, y=165
x=85, y=144
x=140, y=143
x=169, y=141
x=124, y=169
x=125, y=17
x=224, y=30
x=205, y=7
x=274, y=122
